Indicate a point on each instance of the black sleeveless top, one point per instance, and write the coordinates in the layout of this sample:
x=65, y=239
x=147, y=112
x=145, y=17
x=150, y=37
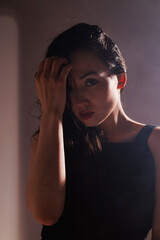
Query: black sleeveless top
x=110, y=196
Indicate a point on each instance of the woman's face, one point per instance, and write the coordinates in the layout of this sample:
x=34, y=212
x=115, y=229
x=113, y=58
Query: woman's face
x=93, y=93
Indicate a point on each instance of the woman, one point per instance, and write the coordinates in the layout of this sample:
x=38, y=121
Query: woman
x=94, y=172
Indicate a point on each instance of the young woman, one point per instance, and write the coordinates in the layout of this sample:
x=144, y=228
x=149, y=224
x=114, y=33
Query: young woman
x=94, y=172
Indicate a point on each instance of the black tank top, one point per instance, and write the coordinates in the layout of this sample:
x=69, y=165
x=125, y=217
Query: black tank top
x=110, y=196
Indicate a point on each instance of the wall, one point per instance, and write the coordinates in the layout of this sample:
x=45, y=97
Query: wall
x=27, y=28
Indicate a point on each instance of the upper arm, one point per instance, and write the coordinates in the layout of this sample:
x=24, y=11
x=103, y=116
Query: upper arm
x=154, y=145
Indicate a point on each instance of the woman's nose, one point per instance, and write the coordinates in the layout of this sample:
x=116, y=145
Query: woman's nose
x=81, y=98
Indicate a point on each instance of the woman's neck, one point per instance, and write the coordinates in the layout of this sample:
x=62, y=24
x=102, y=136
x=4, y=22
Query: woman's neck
x=118, y=125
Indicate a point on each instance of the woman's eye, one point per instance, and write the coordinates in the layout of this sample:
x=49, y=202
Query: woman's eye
x=91, y=82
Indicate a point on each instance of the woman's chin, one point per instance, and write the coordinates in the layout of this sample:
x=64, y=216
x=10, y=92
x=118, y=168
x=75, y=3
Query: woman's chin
x=90, y=123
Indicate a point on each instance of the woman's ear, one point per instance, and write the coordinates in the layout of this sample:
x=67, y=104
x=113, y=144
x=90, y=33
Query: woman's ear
x=122, y=79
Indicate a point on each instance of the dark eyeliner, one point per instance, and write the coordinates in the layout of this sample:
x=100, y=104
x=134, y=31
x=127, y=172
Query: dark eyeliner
x=93, y=80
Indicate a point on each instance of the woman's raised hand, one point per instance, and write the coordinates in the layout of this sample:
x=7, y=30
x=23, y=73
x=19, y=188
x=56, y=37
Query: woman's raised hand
x=50, y=83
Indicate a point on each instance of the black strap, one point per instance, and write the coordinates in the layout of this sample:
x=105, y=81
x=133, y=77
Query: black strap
x=144, y=133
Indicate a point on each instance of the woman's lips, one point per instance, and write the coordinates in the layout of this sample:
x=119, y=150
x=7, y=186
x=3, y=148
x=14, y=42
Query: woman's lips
x=85, y=115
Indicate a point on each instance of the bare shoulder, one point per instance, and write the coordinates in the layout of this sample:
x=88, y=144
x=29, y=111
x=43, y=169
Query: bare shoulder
x=154, y=143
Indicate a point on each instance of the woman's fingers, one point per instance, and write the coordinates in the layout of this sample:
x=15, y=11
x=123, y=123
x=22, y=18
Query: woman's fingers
x=64, y=73
x=51, y=84
x=54, y=68
x=40, y=69
x=51, y=67
x=47, y=66
x=57, y=67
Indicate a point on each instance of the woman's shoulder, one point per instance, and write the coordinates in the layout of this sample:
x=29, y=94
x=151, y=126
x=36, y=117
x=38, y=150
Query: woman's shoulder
x=136, y=127
x=154, y=138
x=154, y=143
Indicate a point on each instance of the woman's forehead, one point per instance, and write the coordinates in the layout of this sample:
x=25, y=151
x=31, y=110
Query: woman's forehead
x=84, y=61
x=79, y=56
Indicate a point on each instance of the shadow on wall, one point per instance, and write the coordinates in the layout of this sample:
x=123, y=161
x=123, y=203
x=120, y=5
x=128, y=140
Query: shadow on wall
x=16, y=222
x=9, y=129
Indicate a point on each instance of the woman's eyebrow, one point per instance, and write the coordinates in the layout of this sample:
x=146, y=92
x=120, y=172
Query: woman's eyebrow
x=88, y=73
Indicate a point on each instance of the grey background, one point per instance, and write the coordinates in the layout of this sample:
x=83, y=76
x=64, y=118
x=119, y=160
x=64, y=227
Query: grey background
x=133, y=25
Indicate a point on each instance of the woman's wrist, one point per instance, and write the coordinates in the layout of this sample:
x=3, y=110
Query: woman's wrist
x=51, y=116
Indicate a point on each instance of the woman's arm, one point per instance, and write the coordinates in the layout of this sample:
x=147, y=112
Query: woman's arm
x=154, y=145
x=45, y=192
x=149, y=235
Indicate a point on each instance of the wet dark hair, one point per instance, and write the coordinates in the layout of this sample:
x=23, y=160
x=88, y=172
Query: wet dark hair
x=84, y=36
